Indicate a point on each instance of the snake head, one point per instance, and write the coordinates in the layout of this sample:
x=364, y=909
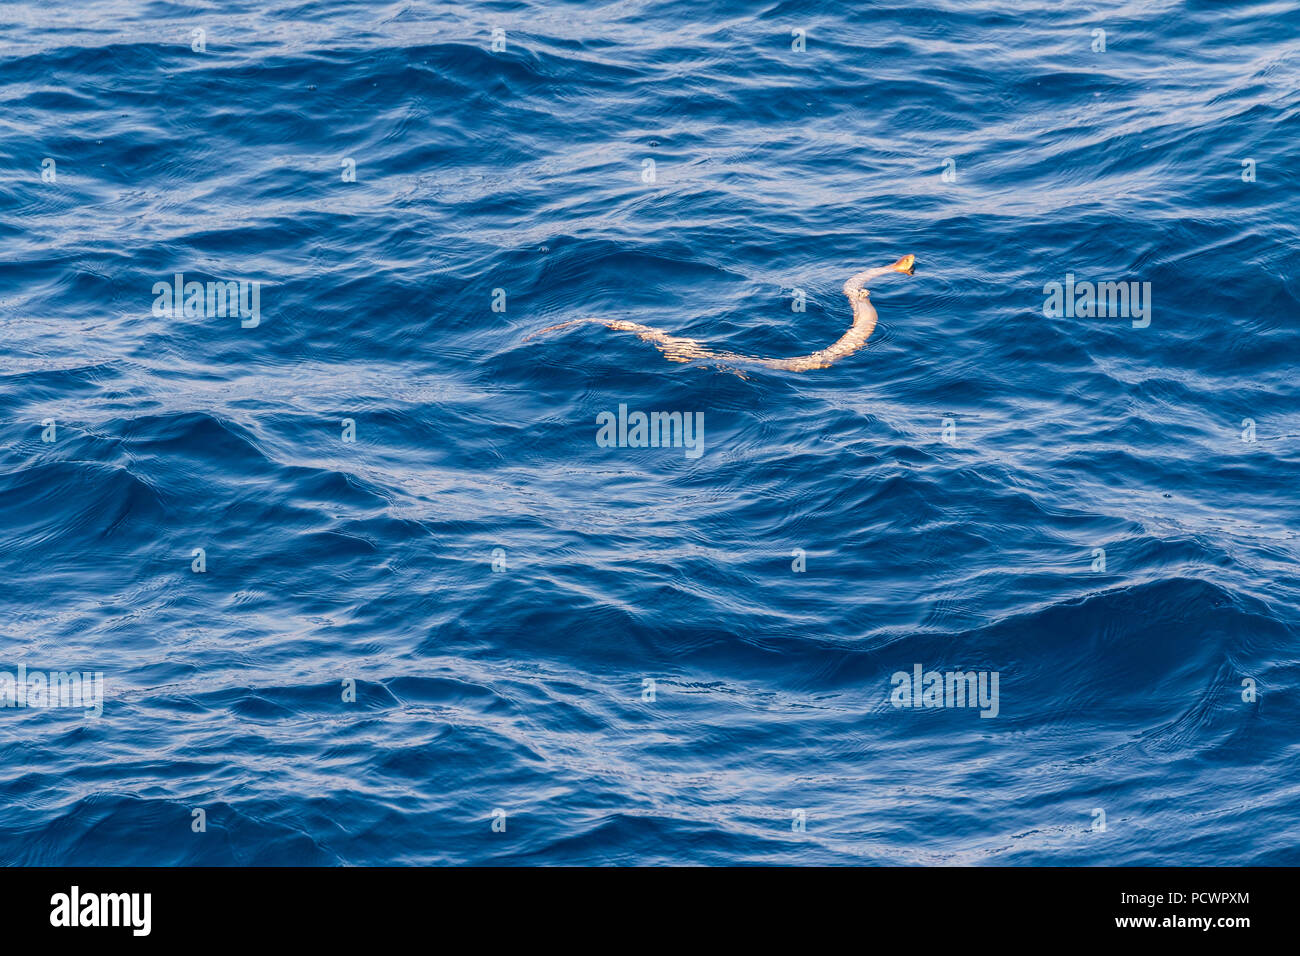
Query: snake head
x=905, y=265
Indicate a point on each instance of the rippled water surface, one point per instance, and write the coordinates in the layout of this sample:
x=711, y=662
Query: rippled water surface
x=1068, y=502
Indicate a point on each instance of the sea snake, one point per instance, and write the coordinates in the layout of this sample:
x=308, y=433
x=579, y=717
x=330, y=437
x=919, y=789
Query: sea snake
x=680, y=349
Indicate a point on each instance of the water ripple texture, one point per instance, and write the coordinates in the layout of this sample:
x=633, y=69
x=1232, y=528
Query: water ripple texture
x=362, y=577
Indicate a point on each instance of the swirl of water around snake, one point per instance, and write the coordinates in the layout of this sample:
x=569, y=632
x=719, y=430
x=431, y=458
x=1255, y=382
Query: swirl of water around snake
x=677, y=348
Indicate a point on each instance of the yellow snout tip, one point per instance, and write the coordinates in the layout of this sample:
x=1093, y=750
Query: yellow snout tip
x=905, y=265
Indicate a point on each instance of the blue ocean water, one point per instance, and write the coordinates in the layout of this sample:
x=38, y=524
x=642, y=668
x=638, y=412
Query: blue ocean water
x=573, y=654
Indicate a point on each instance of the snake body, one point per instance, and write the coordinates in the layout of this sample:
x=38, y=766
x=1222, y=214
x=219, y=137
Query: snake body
x=678, y=348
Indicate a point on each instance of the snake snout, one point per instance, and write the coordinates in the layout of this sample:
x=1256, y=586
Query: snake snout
x=905, y=265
